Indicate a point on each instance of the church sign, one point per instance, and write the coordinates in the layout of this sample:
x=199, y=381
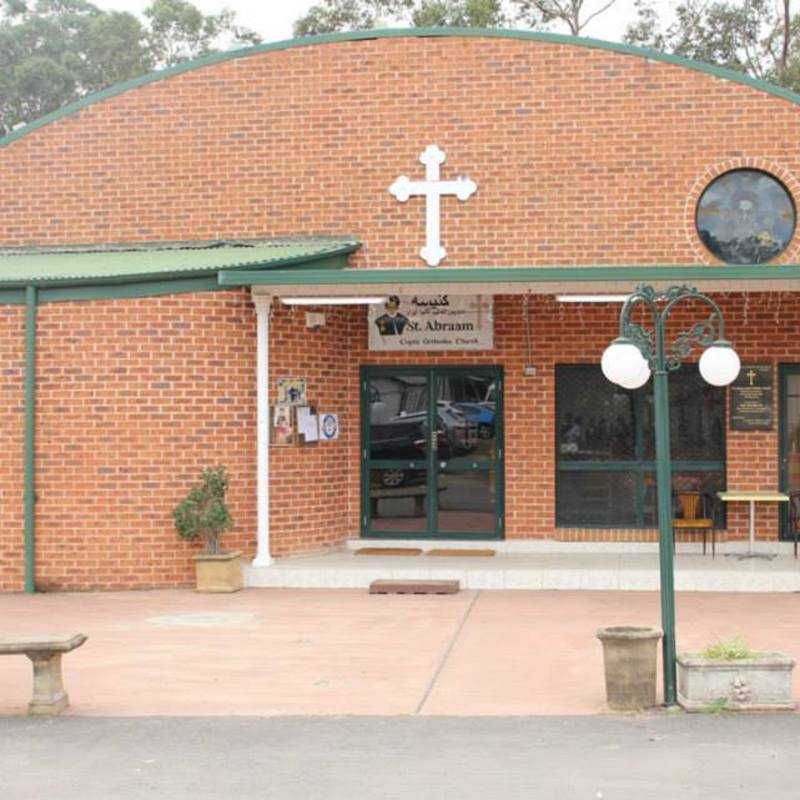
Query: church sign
x=432, y=322
x=751, y=399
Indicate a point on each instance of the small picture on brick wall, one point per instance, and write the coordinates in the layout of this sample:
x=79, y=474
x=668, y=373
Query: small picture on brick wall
x=292, y=391
x=284, y=427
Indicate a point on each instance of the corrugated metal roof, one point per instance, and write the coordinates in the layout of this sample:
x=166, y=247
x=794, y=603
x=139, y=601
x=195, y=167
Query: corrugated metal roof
x=124, y=263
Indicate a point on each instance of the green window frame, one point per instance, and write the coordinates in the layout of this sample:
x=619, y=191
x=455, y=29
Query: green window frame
x=613, y=485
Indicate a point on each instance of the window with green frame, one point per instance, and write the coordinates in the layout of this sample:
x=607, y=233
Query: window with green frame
x=605, y=447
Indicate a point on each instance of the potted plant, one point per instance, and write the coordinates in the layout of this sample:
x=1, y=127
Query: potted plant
x=729, y=676
x=204, y=514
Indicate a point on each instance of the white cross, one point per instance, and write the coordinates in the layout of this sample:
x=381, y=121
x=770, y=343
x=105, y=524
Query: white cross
x=433, y=253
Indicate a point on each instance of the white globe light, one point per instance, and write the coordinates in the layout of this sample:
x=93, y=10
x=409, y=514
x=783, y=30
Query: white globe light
x=622, y=362
x=640, y=379
x=719, y=364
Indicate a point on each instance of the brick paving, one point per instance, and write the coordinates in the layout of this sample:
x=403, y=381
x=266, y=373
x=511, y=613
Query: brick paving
x=280, y=652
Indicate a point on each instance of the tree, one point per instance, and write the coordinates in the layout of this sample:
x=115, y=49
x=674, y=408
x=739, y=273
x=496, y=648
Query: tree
x=459, y=14
x=178, y=31
x=331, y=16
x=53, y=52
x=344, y=15
x=352, y=15
x=575, y=14
x=113, y=51
x=757, y=37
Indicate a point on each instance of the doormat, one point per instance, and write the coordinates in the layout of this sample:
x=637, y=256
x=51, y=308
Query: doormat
x=389, y=551
x=446, y=552
x=414, y=587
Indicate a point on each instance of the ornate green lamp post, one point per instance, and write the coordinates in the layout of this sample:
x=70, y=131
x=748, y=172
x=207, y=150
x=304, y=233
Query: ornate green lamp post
x=629, y=361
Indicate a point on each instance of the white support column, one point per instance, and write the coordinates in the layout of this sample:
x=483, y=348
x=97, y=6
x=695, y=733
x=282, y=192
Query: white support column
x=263, y=304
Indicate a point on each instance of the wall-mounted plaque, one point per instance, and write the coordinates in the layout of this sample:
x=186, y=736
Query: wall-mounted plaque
x=751, y=399
x=328, y=426
x=292, y=391
x=432, y=322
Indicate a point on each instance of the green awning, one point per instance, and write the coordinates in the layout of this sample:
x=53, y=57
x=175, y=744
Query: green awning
x=131, y=263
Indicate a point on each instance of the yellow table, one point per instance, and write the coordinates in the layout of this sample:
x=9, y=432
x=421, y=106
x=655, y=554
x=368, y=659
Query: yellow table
x=753, y=498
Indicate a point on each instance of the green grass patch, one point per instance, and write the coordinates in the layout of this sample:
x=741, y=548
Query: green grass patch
x=717, y=706
x=732, y=649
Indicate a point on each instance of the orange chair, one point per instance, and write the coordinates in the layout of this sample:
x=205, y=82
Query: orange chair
x=695, y=517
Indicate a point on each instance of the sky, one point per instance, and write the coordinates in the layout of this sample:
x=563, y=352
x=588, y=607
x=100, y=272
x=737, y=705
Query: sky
x=272, y=19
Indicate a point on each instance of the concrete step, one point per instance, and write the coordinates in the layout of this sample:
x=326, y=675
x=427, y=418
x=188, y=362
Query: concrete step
x=550, y=571
x=533, y=546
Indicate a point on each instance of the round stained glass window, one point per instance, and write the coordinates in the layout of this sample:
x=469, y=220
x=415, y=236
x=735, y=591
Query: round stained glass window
x=746, y=217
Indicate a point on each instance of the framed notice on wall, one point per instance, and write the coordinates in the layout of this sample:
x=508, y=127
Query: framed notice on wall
x=307, y=425
x=751, y=399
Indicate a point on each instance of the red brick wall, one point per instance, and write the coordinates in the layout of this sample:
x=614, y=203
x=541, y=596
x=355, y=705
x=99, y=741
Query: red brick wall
x=761, y=326
x=763, y=329
x=314, y=488
x=581, y=156
x=12, y=371
x=135, y=398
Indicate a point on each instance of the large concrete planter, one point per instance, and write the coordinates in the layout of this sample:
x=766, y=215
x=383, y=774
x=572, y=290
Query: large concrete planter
x=751, y=684
x=630, y=655
x=219, y=573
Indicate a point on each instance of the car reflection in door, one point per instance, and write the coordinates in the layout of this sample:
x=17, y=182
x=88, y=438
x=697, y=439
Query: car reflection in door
x=405, y=436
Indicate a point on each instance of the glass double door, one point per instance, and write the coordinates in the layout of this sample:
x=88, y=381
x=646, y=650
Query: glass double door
x=432, y=454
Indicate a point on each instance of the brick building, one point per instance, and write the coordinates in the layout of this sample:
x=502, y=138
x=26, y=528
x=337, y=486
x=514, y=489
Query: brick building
x=169, y=245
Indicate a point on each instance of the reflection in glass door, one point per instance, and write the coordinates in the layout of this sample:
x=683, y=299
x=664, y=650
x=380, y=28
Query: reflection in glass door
x=466, y=453
x=397, y=442
x=432, y=453
x=790, y=437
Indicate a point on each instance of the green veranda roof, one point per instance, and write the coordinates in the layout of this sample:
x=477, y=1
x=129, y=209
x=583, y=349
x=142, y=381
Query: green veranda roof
x=75, y=266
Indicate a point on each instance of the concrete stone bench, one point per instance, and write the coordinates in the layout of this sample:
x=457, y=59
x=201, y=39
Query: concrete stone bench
x=45, y=652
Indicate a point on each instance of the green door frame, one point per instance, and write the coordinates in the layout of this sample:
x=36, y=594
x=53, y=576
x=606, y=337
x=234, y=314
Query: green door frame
x=784, y=371
x=430, y=463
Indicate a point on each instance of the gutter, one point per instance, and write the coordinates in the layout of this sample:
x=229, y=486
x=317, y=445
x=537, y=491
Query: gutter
x=509, y=275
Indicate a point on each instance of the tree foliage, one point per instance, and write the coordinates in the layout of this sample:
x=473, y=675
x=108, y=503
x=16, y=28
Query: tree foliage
x=178, y=31
x=331, y=16
x=53, y=52
x=757, y=37
x=459, y=14
x=203, y=513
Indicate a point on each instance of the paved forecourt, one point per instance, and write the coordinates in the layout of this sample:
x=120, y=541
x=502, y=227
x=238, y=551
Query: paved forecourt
x=304, y=651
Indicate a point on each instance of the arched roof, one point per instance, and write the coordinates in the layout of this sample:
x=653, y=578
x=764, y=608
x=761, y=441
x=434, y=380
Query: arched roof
x=311, y=41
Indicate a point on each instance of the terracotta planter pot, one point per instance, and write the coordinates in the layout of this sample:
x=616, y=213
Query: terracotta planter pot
x=219, y=573
x=630, y=655
x=747, y=684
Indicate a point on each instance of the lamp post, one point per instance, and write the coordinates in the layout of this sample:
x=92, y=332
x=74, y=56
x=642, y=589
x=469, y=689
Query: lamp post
x=629, y=361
